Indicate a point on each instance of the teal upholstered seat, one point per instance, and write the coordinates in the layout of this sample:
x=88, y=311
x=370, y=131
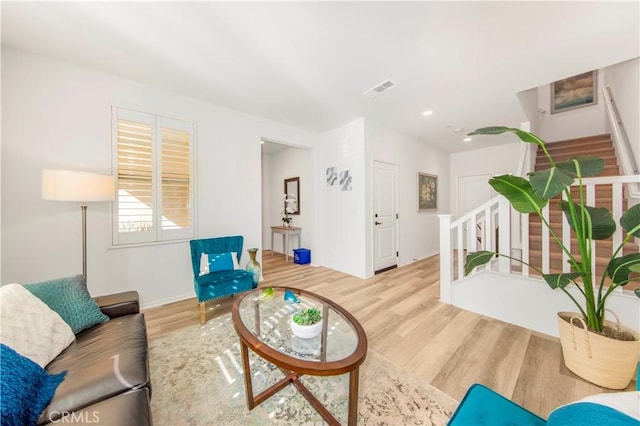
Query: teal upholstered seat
x=482, y=406
x=220, y=283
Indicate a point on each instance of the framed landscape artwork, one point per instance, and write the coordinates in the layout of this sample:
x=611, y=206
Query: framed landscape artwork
x=574, y=92
x=427, y=192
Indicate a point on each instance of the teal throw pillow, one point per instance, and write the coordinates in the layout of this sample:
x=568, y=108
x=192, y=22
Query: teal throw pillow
x=220, y=262
x=70, y=299
x=26, y=388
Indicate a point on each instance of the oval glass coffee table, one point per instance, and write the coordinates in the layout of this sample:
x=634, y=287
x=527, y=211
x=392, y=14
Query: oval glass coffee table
x=262, y=321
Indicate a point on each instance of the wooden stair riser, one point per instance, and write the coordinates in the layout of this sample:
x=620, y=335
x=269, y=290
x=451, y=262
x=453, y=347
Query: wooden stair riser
x=555, y=262
x=608, y=170
x=599, y=149
x=555, y=212
x=580, y=142
x=603, y=198
x=604, y=248
x=600, y=146
x=590, y=149
x=610, y=163
x=565, y=154
x=601, y=190
x=555, y=207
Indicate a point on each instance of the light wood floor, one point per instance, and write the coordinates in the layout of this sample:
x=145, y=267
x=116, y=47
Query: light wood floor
x=445, y=346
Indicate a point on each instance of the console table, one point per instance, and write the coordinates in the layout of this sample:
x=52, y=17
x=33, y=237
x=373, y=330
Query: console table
x=286, y=232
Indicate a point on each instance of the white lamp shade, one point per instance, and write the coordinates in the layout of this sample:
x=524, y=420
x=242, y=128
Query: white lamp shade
x=70, y=185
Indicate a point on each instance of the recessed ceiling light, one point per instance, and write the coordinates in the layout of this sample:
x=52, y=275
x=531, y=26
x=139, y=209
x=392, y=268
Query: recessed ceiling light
x=428, y=112
x=262, y=142
x=467, y=139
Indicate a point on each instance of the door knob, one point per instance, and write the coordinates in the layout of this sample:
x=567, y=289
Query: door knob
x=377, y=223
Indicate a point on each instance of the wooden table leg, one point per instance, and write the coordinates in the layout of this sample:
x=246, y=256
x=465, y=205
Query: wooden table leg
x=353, y=397
x=285, y=245
x=247, y=375
x=325, y=328
x=315, y=403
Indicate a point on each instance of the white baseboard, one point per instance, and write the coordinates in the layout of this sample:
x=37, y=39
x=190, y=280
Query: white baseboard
x=156, y=303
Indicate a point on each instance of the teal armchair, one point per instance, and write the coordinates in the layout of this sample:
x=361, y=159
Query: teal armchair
x=223, y=280
x=482, y=406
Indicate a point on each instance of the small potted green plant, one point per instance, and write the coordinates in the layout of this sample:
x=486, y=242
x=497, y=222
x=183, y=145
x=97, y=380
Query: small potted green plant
x=306, y=323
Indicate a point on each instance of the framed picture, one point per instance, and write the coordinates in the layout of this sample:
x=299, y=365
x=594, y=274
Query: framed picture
x=574, y=92
x=427, y=192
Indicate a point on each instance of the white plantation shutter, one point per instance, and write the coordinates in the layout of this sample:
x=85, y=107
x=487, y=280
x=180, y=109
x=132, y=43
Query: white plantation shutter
x=135, y=176
x=176, y=184
x=153, y=163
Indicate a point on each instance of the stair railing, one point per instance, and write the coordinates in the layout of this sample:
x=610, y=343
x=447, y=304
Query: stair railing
x=621, y=142
x=457, y=237
x=461, y=235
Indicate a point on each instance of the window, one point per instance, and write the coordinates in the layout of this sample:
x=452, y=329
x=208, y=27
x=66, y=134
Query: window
x=153, y=161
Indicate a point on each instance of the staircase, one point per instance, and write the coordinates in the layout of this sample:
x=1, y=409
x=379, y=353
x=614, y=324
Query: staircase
x=526, y=238
x=504, y=288
x=599, y=146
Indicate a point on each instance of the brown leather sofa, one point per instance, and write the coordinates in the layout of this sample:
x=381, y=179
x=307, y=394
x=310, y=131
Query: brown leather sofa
x=107, y=381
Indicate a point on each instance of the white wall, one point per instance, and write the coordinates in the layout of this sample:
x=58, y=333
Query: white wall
x=287, y=163
x=624, y=79
x=532, y=304
x=57, y=115
x=530, y=104
x=1, y=179
x=418, y=232
x=493, y=160
x=267, y=200
x=341, y=214
x=576, y=123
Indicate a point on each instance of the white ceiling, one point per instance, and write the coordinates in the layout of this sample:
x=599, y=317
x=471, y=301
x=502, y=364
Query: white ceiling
x=308, y=63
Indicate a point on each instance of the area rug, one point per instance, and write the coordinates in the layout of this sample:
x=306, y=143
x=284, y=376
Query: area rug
x=196, y=376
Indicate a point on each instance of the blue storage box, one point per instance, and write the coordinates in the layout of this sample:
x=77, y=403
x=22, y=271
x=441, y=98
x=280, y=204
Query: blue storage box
x=302, y=256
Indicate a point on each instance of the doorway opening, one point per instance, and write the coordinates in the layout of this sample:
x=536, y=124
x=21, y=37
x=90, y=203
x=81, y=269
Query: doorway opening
x=283, y=164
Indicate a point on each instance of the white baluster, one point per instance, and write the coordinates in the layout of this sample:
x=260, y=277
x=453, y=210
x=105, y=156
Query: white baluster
x=504, y=238
x=446, y=261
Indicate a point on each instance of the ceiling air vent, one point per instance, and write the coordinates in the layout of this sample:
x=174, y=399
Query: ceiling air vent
x=380, y=88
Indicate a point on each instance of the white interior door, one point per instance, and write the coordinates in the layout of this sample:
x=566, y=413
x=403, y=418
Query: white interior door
x=384, y=216
x=473, y=191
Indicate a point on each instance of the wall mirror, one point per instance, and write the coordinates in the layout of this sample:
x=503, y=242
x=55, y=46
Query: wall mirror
x=292, y=189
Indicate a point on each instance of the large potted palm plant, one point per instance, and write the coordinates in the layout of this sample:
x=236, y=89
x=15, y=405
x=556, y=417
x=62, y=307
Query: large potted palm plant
x=593, y=348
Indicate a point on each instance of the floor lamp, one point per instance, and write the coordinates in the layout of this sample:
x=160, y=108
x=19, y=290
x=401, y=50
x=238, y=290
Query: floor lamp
x=83, y=187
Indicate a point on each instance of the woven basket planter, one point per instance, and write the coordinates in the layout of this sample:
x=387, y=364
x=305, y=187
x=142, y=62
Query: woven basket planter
x=601, y=360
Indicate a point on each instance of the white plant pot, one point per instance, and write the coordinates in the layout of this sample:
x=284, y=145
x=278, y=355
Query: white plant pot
x=306, y=331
